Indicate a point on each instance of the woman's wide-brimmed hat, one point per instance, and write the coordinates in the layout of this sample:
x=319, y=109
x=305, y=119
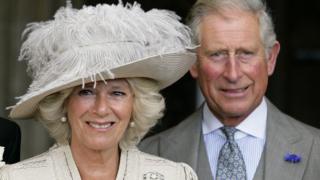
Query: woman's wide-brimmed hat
x=100, y=43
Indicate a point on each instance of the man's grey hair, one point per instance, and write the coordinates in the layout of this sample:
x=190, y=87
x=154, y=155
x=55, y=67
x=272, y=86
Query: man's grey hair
x=148, y=107
x=257, y=7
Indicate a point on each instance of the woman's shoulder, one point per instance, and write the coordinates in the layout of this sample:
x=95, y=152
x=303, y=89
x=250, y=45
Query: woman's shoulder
x=37, y=166
x=156, y=167
x=25, y=168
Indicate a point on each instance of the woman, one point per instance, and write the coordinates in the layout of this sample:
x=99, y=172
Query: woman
x=96, y=74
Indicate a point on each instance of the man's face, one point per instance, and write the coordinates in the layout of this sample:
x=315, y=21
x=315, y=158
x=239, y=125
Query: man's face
x=232, y=68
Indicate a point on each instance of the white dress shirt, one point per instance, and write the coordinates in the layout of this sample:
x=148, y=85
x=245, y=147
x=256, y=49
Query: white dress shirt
x=250, y=138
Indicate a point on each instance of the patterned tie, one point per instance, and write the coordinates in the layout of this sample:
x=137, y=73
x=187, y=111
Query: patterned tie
x=231, y=165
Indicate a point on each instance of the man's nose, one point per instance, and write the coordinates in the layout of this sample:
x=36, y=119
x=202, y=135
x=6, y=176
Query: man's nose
x=232, y=71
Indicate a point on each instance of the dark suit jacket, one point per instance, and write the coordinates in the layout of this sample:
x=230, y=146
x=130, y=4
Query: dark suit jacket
x=10, y=138
x=184, y=143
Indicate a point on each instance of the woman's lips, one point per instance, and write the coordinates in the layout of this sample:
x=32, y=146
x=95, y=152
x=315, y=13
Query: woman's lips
x=100, y=125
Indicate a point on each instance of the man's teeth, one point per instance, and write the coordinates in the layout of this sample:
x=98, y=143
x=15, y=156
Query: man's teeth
x=100, y=126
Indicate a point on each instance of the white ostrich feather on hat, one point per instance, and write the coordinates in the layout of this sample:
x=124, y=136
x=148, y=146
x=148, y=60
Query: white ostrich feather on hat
x=87, y=36
x=84, y=43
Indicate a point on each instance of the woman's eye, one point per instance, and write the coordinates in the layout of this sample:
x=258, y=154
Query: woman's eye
x=85, y=92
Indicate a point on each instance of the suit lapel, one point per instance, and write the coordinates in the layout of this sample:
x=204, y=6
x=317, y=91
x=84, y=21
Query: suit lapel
x=187, y=140
x=203, y=167
x=282, y=138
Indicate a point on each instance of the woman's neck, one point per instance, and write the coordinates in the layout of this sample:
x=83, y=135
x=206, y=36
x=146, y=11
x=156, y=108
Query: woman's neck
x=96, y=165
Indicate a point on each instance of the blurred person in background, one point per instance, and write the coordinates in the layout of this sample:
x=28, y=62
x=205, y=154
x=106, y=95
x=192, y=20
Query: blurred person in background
x=10, y=140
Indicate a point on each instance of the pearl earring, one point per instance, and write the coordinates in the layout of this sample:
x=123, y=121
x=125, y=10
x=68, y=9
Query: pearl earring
x=132, y=124
x=63, y=119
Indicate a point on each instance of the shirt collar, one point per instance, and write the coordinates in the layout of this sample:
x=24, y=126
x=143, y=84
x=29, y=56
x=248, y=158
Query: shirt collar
x=210, y=122
x=254, y=124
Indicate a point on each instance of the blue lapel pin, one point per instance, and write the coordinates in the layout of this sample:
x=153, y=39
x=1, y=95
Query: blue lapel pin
x=292, y=158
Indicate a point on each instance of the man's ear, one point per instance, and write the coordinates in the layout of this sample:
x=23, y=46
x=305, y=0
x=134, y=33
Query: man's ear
x=272, y=58
x=194, y=70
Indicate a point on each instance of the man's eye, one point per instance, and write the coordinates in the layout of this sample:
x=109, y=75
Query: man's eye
x=218, y=56
x=245, y=54
x=85, y=92
x=118, y=93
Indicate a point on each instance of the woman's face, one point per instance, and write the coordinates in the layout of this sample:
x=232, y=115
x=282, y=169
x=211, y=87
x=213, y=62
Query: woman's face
x=99, y=116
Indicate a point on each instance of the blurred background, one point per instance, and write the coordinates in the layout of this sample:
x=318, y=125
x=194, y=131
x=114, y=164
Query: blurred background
x=293, y=87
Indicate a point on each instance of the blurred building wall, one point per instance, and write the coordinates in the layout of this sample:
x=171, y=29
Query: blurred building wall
x=14, y=15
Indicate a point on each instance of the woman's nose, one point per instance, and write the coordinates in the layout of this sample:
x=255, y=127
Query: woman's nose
x=101, y=107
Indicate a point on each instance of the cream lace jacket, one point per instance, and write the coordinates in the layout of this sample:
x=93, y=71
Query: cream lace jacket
x=58, y=164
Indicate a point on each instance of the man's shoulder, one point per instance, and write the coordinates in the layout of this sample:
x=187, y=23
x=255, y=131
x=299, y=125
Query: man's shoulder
x=185, y=131
x=304, y=128
x=289, y=123
x=151, y=144
x=184, y=127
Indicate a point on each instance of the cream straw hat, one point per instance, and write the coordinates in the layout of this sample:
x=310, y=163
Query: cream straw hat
x=100, y=43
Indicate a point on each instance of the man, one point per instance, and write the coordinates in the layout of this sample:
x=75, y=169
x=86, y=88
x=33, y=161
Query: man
x=10, y=139
x=238, y=51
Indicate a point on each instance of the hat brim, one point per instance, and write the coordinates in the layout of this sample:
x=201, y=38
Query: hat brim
x=165, y=69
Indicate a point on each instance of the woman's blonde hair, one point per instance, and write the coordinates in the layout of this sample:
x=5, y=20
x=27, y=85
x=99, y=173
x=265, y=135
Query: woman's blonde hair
x=148, y=107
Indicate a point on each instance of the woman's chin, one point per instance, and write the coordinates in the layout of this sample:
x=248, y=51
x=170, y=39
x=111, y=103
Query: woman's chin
x=102, y=146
